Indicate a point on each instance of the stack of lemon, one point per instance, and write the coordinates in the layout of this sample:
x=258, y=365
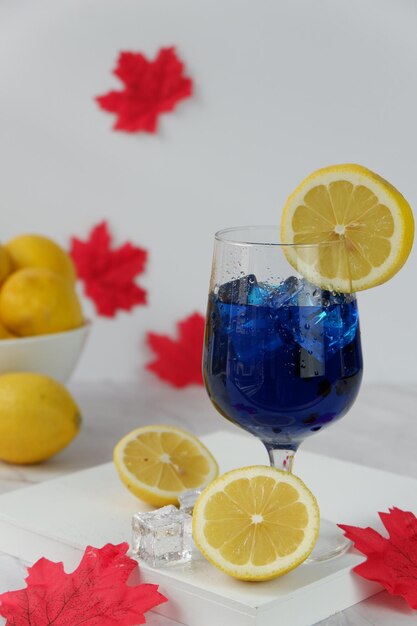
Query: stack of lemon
x=38, y=416
x=37, y=288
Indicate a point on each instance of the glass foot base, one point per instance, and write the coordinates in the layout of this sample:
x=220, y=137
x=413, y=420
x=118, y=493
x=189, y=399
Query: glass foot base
x=330, y=544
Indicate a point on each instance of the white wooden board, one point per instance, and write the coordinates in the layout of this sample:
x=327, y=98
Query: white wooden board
x=58, y=518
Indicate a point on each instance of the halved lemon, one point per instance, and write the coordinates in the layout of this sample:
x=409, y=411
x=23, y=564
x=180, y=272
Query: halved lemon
x=256, y=523
x=157, y=463
x=368, y=224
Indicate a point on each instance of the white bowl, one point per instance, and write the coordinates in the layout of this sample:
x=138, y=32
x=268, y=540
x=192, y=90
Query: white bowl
x=55, y=355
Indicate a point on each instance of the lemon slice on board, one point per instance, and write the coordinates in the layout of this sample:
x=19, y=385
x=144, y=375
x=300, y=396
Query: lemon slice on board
x=368, y=223
x=256, y=523
x=157, y=463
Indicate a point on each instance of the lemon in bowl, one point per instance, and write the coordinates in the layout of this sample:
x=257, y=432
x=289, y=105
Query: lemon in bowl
x=5, y=264
x=39, y=301
x=32, y=250
x=42, y=327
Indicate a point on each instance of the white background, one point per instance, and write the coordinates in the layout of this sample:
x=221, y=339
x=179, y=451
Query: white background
x=281, y=88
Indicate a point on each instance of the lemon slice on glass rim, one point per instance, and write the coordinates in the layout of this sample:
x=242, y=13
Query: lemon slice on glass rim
x=366, y=222
x=157, y=463
x=256, y=523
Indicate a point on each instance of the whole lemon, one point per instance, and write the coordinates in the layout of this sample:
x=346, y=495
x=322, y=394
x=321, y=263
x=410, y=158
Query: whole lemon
x=40, y=251
x=5, y=264
x=4, y=333
x=38, y=417
x=38, y=301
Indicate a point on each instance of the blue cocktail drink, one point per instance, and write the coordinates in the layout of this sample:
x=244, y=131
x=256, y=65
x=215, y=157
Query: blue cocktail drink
x=282, y=352
x=282, y=361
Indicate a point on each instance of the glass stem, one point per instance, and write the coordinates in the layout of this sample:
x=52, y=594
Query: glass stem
x=281, y=458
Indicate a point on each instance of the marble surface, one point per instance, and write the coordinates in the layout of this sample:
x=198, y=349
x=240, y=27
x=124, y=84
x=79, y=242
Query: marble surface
x=380, y=431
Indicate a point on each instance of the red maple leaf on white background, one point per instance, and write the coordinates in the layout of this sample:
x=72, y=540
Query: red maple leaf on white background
x=178, y=360
x=149, y=89
x=391, y=561
x=109, y=273
x=95, y=594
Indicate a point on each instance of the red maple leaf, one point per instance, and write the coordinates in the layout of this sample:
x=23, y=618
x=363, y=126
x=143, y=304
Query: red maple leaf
x=108, y=274
x=150, y=88
x=178, y=361
x=95, y=594
x=391, y=561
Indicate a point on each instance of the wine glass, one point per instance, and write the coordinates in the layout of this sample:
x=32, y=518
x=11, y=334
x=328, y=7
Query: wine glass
x=282, y=356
